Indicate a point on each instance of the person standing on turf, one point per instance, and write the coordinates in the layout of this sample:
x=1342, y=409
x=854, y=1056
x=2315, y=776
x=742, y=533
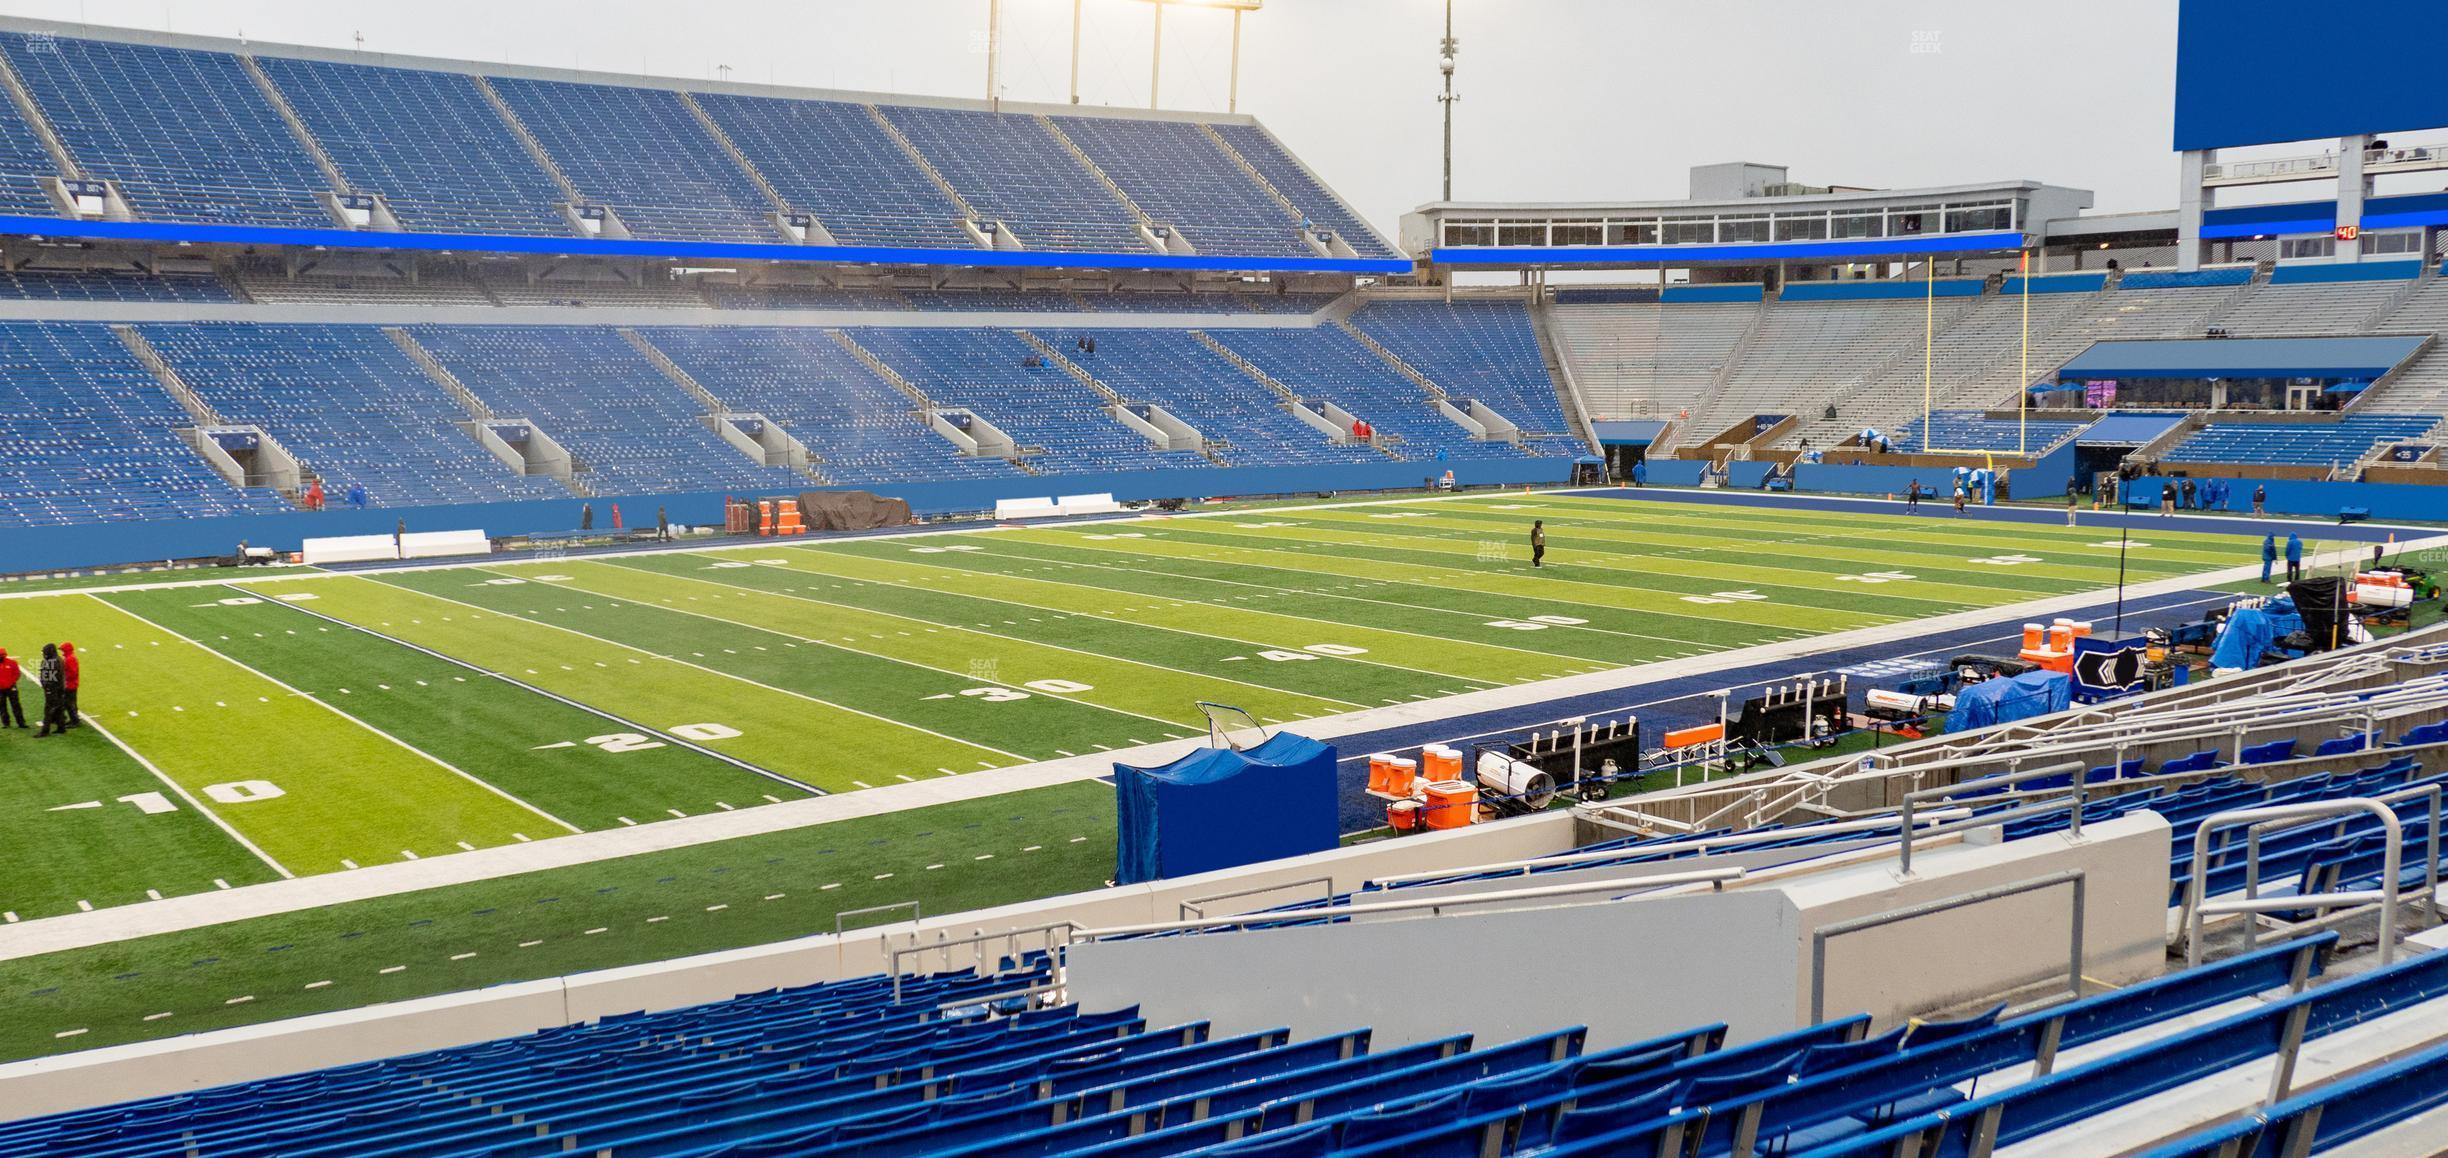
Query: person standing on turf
x=1538, y=542
x=10, y=705
x=662, y=525
x=1959, y=498
x=1912, y=495
x=2294, y=557
x=55, y=695
x=2269, y=555
x=586, y=517
x=69, y=670
x=2167, y=499
x=2260, y=501
x=2072, y=497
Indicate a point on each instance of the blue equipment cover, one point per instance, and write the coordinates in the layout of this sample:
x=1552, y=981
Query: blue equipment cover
x=1217, y=808
x=2251, y=630
x=2034, y=693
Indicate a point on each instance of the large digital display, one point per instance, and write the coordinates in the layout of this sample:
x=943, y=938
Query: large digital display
x=2257, y=72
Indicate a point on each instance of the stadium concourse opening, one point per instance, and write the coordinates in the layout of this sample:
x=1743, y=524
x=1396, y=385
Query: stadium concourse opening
x=583, y=611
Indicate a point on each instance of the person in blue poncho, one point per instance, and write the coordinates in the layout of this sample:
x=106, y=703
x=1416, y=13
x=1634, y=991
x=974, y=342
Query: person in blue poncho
x=2294, y=557
x=2269, y=555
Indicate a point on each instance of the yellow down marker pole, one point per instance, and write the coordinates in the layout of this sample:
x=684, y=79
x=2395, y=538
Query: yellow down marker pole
x=1929, y=345
x=2023, y=377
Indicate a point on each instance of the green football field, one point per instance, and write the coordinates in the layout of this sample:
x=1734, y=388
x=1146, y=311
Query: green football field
x=318, y=723
x=322, y=723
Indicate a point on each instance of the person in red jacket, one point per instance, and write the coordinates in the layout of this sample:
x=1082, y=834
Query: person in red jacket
x=68, y=674
x=10, y=705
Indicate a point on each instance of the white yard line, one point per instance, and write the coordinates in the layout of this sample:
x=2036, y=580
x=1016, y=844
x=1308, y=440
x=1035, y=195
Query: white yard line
x=52, y=934
x=183, y=794
x=318, y=701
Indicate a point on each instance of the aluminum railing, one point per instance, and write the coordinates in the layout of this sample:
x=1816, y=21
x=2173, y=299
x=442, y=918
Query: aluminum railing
x=1050, y=939
x=1705, y=844
x=2198, y=908
x=1430, y=906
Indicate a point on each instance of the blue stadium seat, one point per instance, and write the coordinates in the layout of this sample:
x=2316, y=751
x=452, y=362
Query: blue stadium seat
x=184, y=134
x=427, y=141
x=643, y=152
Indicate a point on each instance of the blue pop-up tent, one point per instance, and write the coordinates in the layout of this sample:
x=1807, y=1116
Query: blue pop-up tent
x=1217, y=808
x=2034, y=693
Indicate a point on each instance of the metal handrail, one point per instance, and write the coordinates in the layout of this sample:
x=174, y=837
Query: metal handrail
x=1199, y=904
x=1825, y=933
x=1528, y=865
x=2431, y=848
x=841, y=921
x=1010, y=938
x=2198, y=907
x=1904, y=847
x=1435, y=905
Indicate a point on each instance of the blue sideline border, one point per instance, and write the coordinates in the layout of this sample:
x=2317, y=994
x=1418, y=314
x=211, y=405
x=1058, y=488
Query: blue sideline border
x=118, y=544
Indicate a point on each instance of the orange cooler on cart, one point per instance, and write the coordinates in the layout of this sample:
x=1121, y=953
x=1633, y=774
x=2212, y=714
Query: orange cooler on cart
x=1452, y=804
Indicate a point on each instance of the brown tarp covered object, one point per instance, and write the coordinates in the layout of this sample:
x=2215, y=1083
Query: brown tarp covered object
x=851, y=511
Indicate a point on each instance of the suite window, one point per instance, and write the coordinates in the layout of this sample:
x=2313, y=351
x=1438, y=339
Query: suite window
x=1871, y=224
x=1470, y=233
x=1911, y=220
x=1516, y=234
x=1745, y=228
x=1810, y=228
x=1632, y=232
x=1577, y=233
x=1979, y=218
x=1690, y=230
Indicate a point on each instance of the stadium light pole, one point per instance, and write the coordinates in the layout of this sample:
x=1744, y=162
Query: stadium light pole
x=994, y=54
x=1445, y=65
x=1232, y=99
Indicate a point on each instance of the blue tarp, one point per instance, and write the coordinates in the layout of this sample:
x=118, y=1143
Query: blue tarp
x=2034, y=693
x=1216, y=808
x=2249, y=631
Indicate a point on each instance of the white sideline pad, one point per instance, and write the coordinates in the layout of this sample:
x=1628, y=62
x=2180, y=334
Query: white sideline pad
x=414, y=545
x=1047, y=508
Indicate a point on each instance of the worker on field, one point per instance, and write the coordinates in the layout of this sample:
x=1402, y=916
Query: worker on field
x=662, y=525
x=68, y=681
x=2189, y=503
x=1912, y=495
x=586, y=517
x=1538, y=542
x=616, y=519
x=55, y=693
x=2269, y=555
x=1959, y=496
x=2294, y=557
x=2073, y=496
x=2260, y=500
x=2167, y=499
x=10, y=705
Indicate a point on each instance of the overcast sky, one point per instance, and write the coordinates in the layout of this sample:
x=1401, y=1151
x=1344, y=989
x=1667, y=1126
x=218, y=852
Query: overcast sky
x=1562, y=99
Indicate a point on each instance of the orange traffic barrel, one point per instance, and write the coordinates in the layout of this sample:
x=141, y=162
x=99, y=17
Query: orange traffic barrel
x=1452, y=804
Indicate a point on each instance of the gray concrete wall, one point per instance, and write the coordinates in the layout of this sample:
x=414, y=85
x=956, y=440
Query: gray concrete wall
x=1636, y=968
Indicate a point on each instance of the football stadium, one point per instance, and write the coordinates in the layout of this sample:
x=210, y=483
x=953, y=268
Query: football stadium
x=571, y=610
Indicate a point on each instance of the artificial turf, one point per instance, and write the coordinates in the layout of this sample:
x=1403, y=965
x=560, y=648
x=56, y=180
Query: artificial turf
x=648, y=907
